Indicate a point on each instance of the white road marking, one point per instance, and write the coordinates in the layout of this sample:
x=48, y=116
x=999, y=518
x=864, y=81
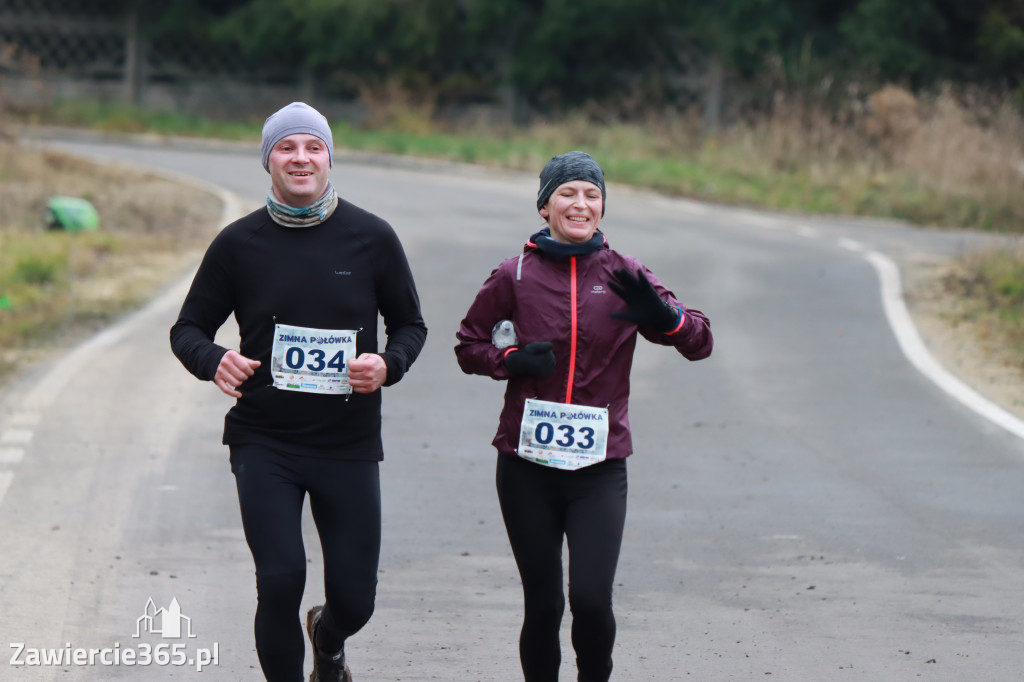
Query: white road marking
x=913, y=347
x=758, y=220
x=691, y=207
x=851, y=244
x=16, y=437
x=908, y=337
x=11, y=455
x=25, y=419
x=5, y=482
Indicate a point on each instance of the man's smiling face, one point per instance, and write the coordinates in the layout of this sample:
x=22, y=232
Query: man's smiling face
x=299, y=167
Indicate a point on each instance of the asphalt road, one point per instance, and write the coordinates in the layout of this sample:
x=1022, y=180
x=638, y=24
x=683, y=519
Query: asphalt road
x=805, y=505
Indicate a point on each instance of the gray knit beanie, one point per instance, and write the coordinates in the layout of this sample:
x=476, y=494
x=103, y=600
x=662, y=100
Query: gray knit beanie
x=566, y=168
x=293, y=119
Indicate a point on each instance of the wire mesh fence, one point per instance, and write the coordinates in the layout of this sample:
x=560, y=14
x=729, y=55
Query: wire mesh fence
x=51, y=49
x=40, y=36
x=103, y=49
x=92, y=38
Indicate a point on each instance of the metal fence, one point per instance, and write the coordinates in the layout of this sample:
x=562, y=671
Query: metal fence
x=54, y=49
x=65, y=49
x=49, y=36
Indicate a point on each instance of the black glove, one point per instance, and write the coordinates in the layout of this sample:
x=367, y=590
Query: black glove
x=646, y=309
x=536, y=359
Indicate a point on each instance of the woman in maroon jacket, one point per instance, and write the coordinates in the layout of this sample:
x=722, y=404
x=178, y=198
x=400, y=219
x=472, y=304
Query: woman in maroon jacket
x=575, y=308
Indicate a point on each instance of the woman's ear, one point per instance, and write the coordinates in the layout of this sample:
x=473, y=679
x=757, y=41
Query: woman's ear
x=544, y=213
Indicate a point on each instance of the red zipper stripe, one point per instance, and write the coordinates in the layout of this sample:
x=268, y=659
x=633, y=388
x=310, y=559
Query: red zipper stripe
x=572, y=331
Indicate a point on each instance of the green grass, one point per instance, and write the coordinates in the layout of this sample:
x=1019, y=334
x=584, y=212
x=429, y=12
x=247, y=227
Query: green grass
x=121, y=118
x=762, y=168
x=991, y=286
x=37, y=271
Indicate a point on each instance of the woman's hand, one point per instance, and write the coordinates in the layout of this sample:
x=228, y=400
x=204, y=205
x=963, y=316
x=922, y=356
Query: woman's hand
x=645, y=307
x=536, y=359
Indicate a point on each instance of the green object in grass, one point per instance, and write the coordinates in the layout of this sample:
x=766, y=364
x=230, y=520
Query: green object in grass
x=5, y=303
x=71, y=214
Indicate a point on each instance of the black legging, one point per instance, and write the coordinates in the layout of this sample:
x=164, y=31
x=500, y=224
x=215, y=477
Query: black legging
x=344, y=497
x=540, y=505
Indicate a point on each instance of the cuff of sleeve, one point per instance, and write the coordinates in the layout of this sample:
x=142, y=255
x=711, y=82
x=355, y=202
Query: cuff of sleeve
x=213, y=357
x=394, y=372
x=679, y=325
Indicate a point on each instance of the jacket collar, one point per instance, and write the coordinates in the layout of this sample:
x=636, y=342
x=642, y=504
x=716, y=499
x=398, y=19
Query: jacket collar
x=556, y=250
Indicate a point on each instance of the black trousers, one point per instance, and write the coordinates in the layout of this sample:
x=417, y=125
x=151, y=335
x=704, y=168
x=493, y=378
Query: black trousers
x=540, y=506
x=344, y=497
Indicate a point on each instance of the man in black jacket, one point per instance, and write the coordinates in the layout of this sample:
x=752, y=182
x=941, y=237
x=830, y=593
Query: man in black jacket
x=306, y=277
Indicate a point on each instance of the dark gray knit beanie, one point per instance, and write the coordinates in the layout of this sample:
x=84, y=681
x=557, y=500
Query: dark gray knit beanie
x=566, y=168
x=293, y=119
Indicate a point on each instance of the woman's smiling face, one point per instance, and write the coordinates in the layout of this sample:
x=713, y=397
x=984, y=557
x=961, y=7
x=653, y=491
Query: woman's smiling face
x=573, y=211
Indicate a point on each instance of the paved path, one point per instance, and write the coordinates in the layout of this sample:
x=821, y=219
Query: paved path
x=805, y=505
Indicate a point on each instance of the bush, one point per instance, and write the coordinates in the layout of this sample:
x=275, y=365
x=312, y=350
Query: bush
x=36, y=270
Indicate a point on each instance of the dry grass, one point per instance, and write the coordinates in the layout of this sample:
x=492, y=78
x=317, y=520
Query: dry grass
x=58, y=285
x=949, y=159
x=989, y=290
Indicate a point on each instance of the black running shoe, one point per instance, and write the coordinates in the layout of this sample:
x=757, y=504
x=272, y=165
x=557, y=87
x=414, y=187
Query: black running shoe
x=326, y=668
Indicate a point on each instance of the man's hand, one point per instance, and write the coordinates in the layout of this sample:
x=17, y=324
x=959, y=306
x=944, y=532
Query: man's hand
x=367, y=373
x=234, y=368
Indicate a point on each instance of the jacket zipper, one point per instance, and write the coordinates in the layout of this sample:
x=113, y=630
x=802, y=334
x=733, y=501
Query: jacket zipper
x=572, y=330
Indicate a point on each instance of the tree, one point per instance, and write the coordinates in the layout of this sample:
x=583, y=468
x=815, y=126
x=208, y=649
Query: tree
x=351, y=44
x=560, y=55
x=1000, y=42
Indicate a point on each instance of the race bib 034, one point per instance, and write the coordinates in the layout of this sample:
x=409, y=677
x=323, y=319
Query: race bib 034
x=312, y=360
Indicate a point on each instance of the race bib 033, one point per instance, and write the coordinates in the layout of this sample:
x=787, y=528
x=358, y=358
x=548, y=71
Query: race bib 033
x=563, y=436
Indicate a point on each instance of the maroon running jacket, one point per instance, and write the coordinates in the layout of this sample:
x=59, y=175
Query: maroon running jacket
x=567, y=301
